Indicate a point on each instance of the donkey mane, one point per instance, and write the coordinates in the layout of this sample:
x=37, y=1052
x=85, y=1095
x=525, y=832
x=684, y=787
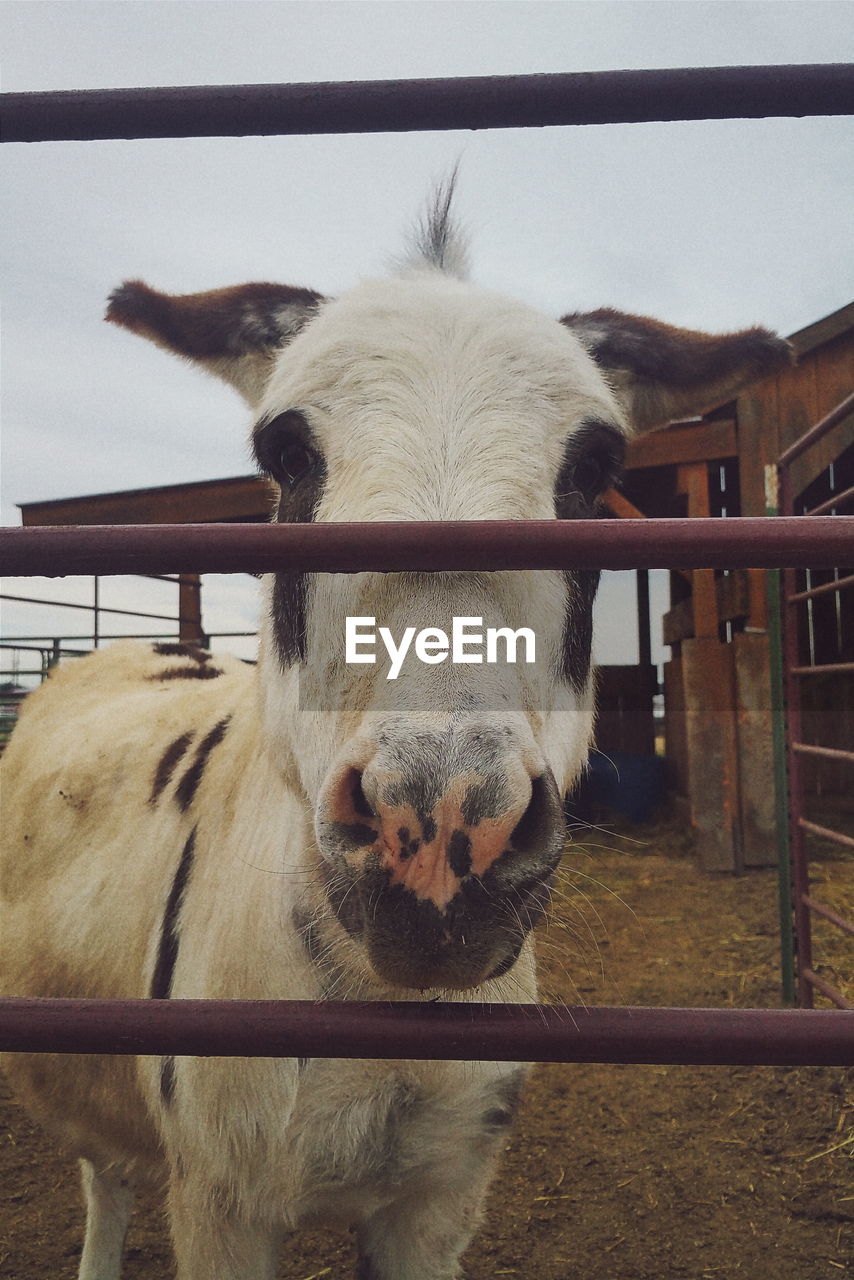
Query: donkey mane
x=437, y=240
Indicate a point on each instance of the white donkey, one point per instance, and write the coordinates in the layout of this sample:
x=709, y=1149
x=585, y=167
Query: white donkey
x=183, y=826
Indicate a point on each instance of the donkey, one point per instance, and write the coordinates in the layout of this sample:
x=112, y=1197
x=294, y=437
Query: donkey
x=182, y=825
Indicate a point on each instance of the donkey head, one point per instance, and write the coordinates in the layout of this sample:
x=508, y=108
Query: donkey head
x=436, y=795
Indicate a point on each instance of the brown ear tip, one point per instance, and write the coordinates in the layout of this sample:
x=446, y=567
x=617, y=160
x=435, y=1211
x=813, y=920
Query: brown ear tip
x=130, y=304
x=778, y=352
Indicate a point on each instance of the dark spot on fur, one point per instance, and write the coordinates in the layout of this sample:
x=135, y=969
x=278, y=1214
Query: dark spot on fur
x=167, y=951
x=486, y=799
x=408, y=846
x=582, y=585
x=170, y=650
x=507, y=1096
x=297, y=505
x=187, y=787
x=428, y=829
x=168, y=761
x=167, y=1080
x=188, y=673
x=494, y=1120
x=459, y=854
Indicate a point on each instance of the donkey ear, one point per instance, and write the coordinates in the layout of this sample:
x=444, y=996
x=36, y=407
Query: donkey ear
x=660, y=372
x=234, y=333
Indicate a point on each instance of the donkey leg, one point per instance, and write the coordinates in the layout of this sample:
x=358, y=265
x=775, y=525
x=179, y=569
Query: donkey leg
x=420, y=1237
x=109, y=1202
x=218, y=1244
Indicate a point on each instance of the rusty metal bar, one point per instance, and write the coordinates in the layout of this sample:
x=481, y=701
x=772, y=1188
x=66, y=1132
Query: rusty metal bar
x=747, y=542
x=826, y=833
x=813, y=980
x=453, y=1032
x=828, y=753
x=845, y=495
x=841, y=584
x=824, y=668
x=394, y=106
x=821, y=428
x=826, y=913
x=91, y=608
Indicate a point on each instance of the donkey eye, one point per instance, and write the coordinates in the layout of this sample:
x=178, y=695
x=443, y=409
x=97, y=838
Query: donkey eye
x=285, y=448
x=590, y=475
x=592, y=462
x=294, y=460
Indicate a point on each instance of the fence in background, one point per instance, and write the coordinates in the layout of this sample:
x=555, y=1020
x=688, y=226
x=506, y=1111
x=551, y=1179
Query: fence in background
x=817, y=646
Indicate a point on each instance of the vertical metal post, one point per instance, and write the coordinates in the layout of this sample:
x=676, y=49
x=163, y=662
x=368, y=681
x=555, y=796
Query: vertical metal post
x=781, y=780
x=190, y=608
x=644, y=639
x=797, y=850
x=96, y=630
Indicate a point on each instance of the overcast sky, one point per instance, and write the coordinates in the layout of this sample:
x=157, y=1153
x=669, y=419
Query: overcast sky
x=706, y=224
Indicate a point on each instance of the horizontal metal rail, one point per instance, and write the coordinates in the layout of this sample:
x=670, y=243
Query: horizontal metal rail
x=395, y=106
x=435, y=1031
x=826, y=833
x=838, y=500
x=811, y=977
x=816, y=433
x=840, y=584
x=90, y=608
x=824, y=668
x=827, y=753
x=826, y=913
x=488, y=545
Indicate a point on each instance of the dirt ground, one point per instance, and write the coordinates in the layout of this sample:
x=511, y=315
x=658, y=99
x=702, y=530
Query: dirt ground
x=611, y=1173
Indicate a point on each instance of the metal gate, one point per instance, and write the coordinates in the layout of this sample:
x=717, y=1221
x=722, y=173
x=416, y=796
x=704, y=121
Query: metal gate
x=449, y=1031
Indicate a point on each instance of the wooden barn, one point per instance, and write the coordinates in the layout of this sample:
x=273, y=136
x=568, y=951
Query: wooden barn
x=717, y=691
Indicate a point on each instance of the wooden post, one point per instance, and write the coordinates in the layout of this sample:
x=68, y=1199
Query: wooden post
x=693, y=480
x=709, y=684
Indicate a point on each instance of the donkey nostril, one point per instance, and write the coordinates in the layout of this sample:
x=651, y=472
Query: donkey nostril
x=539, y=824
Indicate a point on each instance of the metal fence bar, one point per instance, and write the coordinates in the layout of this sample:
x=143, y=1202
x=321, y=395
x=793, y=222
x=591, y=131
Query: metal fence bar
x=840, y=584
x=819, y=909
x=816, y=433
x=472, y=102
x=811, y=979
x=824, y=668
x=92, y=608
x=435, y=1031
x=826, y=833
x=475, y=545
x=828, y=753
x=838, y=499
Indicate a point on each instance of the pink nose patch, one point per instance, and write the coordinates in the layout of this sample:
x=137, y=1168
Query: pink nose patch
x=433, y=856
x=428, y=853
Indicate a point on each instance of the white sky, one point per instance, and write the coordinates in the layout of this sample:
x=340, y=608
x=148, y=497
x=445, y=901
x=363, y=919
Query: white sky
x=707, y=224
